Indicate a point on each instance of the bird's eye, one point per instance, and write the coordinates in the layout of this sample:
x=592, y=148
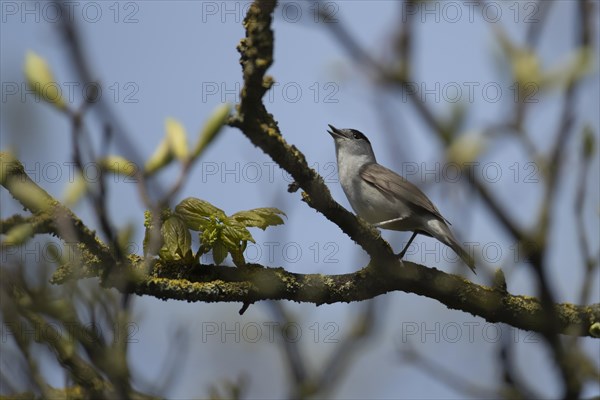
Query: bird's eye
x=357, y=135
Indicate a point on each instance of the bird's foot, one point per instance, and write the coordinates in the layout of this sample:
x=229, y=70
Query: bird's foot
x=401, y=254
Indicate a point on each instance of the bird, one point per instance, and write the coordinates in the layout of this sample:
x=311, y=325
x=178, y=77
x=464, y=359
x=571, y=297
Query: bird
x=385, y=199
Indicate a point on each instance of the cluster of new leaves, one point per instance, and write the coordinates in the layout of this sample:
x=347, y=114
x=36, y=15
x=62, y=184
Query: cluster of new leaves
x=218, y=232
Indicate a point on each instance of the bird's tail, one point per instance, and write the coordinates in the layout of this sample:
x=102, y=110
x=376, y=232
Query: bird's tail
x=462, y=253
x=442, y=232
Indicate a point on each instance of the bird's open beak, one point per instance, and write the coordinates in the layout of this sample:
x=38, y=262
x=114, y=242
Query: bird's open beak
x=334, y=132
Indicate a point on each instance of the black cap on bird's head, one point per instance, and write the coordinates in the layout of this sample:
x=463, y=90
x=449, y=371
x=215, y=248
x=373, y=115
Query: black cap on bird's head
x=351, y=134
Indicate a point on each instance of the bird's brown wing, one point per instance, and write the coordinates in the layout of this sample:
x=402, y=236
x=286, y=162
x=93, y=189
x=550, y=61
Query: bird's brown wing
x=394, y=186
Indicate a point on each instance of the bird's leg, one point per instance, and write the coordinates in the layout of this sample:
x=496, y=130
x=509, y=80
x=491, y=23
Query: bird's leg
x=389, y=221
x=401, y=254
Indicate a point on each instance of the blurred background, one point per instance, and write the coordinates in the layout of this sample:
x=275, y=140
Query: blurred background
x=479, y=64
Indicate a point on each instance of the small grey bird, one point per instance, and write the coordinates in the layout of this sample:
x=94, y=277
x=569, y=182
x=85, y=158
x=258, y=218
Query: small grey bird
x=386, y=199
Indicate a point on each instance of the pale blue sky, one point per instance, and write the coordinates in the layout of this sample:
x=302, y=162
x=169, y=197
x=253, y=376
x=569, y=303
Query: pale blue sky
x=158, y=59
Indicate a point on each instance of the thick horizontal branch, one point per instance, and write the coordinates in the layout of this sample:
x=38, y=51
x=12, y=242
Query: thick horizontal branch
x=253, y=283
x=209, y=283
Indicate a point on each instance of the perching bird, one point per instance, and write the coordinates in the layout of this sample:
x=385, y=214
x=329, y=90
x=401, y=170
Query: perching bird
x=386, y=199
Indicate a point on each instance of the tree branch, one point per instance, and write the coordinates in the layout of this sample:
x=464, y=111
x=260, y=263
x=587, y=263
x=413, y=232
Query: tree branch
x=210, y=283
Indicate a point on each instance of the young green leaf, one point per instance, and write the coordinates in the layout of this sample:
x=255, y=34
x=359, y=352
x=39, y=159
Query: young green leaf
x=36, y=197
x=41, y=80
x=595, y=330
x=212, y=127
x=219, y=252
x=75, y=190
x=177, y=138
x=119, y=165
x=150, y=222
x=161, y=157
x=231, y=240
x=237, y=232
x=197, y=213
x=18, y=234
x=526, y=67
x=177, y=243
x=465, y=149
x=259, y=217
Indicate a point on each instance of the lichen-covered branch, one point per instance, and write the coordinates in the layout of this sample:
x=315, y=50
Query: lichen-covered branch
x=216, y=283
